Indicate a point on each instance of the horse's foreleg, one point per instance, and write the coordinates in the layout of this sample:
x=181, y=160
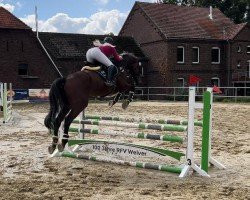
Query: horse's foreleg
x=128, y=100
x=63, y=112
x=115, y=100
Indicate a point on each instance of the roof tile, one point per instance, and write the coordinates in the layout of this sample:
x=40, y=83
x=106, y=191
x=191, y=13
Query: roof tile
x=9, y=21
x=233, y=30
x=68, y=46
x=187, y=21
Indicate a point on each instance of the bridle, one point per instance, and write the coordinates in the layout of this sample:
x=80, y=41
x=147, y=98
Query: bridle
x=127, y=68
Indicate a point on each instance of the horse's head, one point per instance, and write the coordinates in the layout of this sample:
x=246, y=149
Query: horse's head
x=131, y=63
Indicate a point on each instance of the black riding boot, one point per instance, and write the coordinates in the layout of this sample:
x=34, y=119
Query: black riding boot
x=112, y=71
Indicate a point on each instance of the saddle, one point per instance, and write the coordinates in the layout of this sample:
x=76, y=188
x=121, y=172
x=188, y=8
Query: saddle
x=100, y=69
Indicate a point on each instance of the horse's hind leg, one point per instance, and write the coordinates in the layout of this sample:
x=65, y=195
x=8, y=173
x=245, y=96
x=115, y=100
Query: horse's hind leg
x=68, y=120
x=60, y=117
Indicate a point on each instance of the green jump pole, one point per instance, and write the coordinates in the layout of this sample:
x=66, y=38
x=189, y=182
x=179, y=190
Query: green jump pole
x=141, y=135
x=164, y=168
x=163, y=127
x=160, y=121
x=206, y=131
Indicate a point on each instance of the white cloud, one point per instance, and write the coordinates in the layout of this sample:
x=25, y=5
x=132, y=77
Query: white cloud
x=7, y=6
x=102, y=2
x=151, y=1
x=19, y=5
x=58, y=23
x=99, y=23
x=105, y=22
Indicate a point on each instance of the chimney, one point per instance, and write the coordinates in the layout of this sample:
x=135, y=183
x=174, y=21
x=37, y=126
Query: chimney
x=210, y=12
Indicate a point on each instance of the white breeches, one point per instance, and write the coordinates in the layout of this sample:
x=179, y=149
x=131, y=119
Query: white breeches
x=95, y=54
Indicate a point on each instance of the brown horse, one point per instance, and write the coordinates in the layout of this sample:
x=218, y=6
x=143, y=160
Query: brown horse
x=69, y=96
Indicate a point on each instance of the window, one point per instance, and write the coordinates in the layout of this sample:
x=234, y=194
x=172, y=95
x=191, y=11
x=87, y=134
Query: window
x=180, y=54
x=23, y=69
x=239, y=49
x=215, y=81
x=248, y=49
x=195, y=55
x=238, y=64
x=22, y=46
x=248, y=68
x=181, y=82
x=215, y=55
x=142, y=70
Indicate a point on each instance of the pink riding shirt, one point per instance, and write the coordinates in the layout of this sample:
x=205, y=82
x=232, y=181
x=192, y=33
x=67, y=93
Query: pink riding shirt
x=109, y=51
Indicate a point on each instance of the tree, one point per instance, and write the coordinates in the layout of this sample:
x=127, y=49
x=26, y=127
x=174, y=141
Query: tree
x=110, y=34
x=202, y=3
x=171, y=1
x=236, y=10
x=248, y=14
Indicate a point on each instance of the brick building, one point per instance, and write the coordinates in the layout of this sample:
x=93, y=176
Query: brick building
x=24, y=62
x=181, y=41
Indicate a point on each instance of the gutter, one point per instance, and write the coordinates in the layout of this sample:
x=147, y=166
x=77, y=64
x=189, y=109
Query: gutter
x=56, y=68
x=229, y=64
x=37, y=36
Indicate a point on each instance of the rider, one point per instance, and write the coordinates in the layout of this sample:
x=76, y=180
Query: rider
x=102, y=53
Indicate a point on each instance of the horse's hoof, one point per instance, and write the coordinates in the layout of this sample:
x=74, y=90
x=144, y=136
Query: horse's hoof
x=111, y=104
x=125, y=105
x=51, y=149
x=60, y=147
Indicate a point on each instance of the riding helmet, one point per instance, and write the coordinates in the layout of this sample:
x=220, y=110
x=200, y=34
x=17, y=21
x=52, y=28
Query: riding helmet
x=108, y=40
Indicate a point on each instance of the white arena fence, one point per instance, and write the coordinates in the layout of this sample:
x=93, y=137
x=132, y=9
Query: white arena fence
x=181, y=93
x=6, y=101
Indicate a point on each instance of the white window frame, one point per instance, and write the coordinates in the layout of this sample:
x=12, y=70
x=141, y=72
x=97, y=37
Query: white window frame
x=218, y=80
x=142, y=69
x=219, y=55
x=181, y=62
x=238, y=64
x=248, y=46
x=239, y=49
x=248, y=68
x=198, y=55
x=183, y=81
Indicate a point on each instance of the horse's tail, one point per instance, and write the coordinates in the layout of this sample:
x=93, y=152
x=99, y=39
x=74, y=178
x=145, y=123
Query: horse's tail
x=57, y=99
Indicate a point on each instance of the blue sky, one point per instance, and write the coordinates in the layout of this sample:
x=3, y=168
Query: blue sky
x=74, y=16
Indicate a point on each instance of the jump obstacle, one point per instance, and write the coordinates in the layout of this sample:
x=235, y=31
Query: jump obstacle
x=6, y=101
x=122, y=119
x=165, y=125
